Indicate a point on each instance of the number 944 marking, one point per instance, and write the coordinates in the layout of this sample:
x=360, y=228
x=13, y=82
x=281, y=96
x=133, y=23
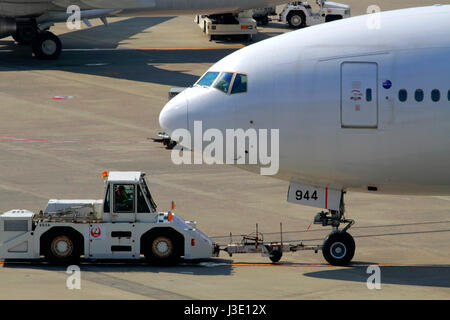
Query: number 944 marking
x=306, y=195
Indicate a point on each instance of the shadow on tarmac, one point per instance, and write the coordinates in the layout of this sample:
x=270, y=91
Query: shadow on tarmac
x=135, y=65
x=412, y=275
x=420, y=275
x=206, y=267
x=109, y=274
x=84, y=55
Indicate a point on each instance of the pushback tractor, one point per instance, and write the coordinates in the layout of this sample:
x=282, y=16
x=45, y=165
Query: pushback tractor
x=124, y=225
x=299, y=14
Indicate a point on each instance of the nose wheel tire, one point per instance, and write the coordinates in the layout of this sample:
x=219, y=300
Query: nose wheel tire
x=162, y=250
x=47, y=46
x=339, y=248
x=275, y=255
x=63, y=249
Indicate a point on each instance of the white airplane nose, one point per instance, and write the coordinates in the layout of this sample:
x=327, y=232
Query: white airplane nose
x=174, y=114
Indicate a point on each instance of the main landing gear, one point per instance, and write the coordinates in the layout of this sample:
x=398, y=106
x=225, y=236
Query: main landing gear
x=338, y=247
x=45, y=45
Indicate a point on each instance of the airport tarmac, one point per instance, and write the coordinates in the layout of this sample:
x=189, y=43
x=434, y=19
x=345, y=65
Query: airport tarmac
x=64, y=122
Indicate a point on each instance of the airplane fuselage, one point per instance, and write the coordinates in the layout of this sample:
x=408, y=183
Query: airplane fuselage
x=357, y=107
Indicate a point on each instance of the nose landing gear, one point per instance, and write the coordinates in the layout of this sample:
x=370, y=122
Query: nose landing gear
x=26, y=32
x=45, y=45
x=339, y=246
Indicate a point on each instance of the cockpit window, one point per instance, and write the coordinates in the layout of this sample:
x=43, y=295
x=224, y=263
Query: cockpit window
x=239, y=84
x=223, y=83
x=208, y=79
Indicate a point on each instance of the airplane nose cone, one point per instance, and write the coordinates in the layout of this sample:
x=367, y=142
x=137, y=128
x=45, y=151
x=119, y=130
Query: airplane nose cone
x=174, y=114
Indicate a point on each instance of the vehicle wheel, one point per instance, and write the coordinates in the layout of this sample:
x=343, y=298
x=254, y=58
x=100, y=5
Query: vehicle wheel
x=47, y=46
x=338, y=248
x=172, y=144
x=162, y=250
x=63, y=249
x=265, y=20
x=275, y=255
x=296, y=19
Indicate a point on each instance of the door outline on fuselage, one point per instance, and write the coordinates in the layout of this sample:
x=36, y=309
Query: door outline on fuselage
x=374, y=96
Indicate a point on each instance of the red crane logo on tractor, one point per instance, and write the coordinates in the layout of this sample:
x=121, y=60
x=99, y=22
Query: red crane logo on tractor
x=96, y=232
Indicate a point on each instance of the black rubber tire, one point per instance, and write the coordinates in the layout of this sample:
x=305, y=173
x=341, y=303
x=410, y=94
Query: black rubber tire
x=156, y=255
x=300, y=15
x=339, y=248
x=47, y=46
x=172, y=144
x=55, y=256
x=275, y=255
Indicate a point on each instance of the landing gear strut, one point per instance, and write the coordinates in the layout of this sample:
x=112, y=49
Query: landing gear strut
x=45, y=45
x=339, y=247
x=26, y=32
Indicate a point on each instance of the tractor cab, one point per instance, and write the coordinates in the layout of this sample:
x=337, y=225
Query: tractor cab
x=127, y=198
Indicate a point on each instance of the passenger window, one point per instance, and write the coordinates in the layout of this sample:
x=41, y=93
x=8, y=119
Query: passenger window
x=368, y=95
x=239, y=84
x=435, y=95
x=402, y=95
x=419, y=95
x=106, y=204
x=142, y=204
x=223, y=83
x=124, y=198
x=208, y=79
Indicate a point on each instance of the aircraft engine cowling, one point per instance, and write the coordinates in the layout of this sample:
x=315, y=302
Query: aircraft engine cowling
x=8, y=27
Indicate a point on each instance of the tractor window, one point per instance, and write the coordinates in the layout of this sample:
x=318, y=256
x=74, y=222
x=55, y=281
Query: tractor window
x=149, y=195
x=123, y=198
x=141, y=203
x=107, y=202
x=223, y=83
x=208, y=79
x=239, y=84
